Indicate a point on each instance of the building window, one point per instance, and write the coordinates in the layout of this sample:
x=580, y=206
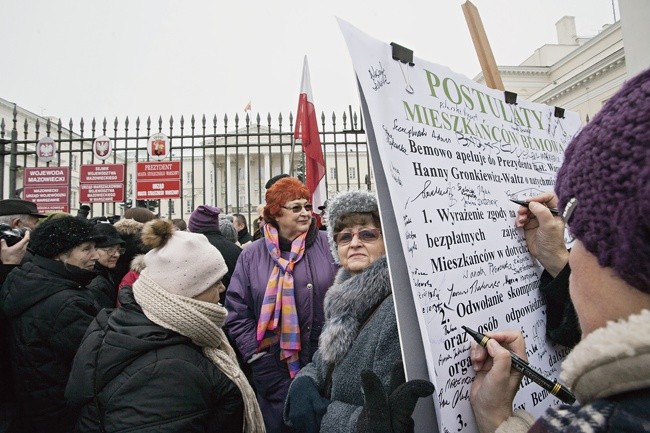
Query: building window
x=352, y=173
x=188, y=178
x=74, y=162
x=333, y=173
x=188, y=206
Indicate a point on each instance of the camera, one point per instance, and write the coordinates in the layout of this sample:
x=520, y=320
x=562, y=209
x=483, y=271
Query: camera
x=11, y=236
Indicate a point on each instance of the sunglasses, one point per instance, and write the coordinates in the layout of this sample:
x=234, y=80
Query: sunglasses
x=298, y=208
x=364, y=235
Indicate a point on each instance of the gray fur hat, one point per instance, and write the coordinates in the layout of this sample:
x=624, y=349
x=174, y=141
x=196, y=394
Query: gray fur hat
x=345, y=203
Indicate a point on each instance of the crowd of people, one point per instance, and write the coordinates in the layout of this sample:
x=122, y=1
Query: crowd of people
x=145, y=324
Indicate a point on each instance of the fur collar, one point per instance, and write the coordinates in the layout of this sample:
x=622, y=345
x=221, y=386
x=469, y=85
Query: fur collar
x=137, y=264
x=128, y=226
x=610, y=360
x=348, y=304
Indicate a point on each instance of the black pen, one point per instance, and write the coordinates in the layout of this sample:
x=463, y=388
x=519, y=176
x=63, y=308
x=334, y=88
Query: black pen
x=555, y=388
x=523, y=203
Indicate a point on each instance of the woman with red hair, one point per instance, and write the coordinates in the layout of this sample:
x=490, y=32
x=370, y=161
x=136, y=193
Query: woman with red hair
x=275, y=296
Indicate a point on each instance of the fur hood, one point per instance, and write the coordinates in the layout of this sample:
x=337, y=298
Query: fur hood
x=610, y=360
x=128, y=227
x=348, y=304
x=344, y=203
x=137, y=264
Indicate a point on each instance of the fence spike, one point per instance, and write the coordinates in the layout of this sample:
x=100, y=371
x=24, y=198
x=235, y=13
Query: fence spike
x=15, y=111
x=203, y=121
x=354, y=120
x=280, y=118
x=248, y=119
x=214, y=122
x=26, y=126
x=137, y=123
x=322, y=117
x=70, y=124
x=171, y=122
x=2, y=126
x=334, y=117
x=115, y=123
x=93, y=123
x=37, y=125
x=126, y=123
x=159, y=123
x=258, y=119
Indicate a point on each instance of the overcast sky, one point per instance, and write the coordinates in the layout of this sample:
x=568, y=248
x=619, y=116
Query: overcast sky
x=90, y=58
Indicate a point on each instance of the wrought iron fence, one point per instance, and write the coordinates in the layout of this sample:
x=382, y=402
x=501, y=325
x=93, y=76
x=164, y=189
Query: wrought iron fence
x=224, y=162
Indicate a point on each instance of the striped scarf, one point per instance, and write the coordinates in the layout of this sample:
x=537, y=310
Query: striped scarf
x=281, y=309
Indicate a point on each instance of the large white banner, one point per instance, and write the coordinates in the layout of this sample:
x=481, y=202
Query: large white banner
x=453, y=153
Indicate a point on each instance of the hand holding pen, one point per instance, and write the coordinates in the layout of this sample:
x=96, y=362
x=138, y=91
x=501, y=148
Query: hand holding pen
x=544, y=232
x=500, y=362
x=495, y=384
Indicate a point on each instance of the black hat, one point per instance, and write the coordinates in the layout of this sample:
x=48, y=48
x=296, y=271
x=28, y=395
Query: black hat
x=59, y=235
x=109, y=233
x=270, y=182
x=16, y=206
x=323, y=206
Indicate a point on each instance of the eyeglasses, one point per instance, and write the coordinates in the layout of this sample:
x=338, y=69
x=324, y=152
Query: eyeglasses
x=297, y=208
x=113, y=250
x=566, y=216
x=364, y=235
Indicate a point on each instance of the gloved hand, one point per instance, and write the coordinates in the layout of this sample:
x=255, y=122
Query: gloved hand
x=306, y=405
x=391, y=413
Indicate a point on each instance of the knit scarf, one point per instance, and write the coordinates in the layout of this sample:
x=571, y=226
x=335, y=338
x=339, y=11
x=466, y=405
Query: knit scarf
x=281, y=309
x=202, y=323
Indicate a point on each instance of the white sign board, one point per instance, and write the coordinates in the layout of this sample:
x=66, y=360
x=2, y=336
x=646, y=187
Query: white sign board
x=453, y=153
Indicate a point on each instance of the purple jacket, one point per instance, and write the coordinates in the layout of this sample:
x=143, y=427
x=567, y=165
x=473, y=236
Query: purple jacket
x=313, y=275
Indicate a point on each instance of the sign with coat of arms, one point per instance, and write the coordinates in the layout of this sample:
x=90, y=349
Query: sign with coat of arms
x=46, y=149
x=158, y=146
x=102, y=147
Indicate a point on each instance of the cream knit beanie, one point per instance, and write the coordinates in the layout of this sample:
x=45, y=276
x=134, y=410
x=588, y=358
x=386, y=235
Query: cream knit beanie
x=183, y=263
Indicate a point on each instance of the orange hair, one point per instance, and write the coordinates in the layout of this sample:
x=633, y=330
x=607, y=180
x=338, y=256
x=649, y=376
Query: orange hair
x=283, y=191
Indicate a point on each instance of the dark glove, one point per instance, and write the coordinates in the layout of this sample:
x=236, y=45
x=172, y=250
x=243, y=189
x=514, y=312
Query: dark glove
x=383, y=413
x=306, y=405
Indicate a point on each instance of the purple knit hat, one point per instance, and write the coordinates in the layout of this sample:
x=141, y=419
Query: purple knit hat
x=607, y=170
x=205, y=218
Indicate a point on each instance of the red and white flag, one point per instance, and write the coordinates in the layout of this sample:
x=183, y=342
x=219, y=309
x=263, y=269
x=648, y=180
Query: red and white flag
x=307, y=131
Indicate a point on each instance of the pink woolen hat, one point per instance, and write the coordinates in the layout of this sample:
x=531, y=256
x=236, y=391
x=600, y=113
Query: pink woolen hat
x=182, y=263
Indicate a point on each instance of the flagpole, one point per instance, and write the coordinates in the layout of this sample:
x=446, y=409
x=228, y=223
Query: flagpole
x=293, y=146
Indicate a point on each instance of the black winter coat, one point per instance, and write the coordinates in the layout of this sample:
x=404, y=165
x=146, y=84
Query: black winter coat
x=229, y=250
x=133, y=375
x=103, y=286
x=48, y=309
